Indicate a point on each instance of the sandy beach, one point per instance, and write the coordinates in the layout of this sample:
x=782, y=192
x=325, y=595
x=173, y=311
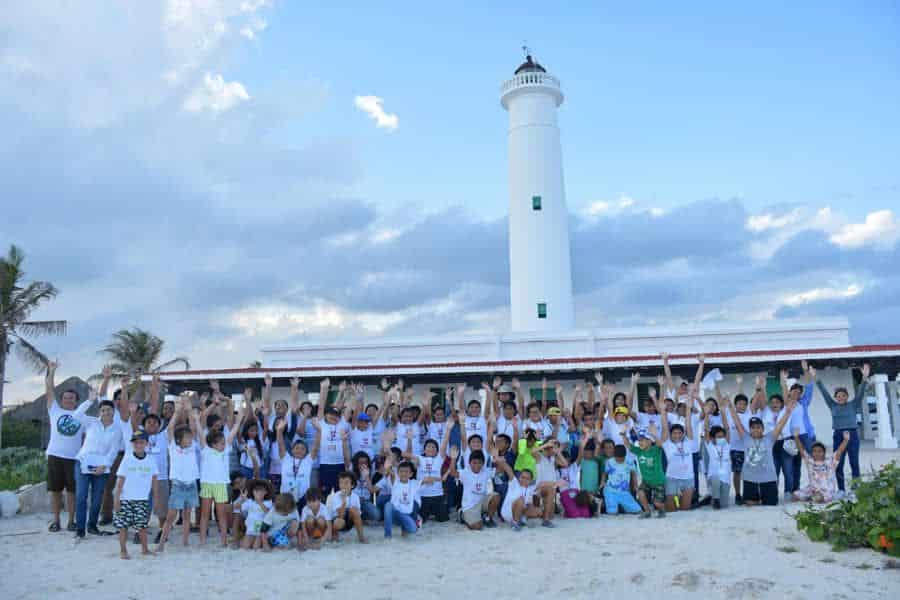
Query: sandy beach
x=734, y=553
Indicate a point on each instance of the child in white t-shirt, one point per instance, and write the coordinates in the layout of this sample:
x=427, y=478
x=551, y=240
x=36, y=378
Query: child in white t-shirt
x=718, y=457
x=315, y=520
x=479, y=504
x=403, y=507
x=136, y=479
x=281, y=525
x=679, y=445
x=214, y=480
x=296, y=469
x=184, y=471
x=344, y=507
x=518, y=504
x=258, y=506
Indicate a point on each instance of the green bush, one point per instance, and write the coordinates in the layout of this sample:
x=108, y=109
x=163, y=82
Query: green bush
x=20, y=466
x=873, y=520
x=21, y=433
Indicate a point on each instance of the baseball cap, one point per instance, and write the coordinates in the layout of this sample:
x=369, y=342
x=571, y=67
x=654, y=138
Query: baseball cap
x=755, y=421
x=621, y=410
x=554, y=411
x=644, y=434
x=139, y=435
x=332, y=411
x=363, y=417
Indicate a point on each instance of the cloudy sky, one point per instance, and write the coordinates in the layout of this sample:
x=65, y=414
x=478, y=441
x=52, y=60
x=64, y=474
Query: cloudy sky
x=232, y=174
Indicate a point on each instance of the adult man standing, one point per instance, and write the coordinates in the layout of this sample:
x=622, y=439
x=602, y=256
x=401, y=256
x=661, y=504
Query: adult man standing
x=66, y=435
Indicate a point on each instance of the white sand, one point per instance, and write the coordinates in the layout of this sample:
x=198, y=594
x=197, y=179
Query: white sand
x=734, y=553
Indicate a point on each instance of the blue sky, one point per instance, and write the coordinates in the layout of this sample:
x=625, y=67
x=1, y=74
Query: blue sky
x=202, y=169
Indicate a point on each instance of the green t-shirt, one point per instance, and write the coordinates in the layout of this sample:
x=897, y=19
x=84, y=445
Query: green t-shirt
x=590, y=474
x=525, y=459
x=650, y=463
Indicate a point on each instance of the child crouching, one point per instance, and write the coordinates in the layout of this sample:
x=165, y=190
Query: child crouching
x=281, y=525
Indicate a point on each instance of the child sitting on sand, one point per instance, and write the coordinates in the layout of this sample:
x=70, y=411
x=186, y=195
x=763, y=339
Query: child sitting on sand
x=344, y=507
x=257, y=506
x=479, y=505
x=821, y=472
x=281, y=525
x=315, y=520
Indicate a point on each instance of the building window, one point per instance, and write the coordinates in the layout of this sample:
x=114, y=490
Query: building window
x=538, y=394
x=542, y=310
x=536, y=203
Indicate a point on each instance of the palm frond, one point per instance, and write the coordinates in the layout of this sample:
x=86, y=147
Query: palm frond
x=39, y=328
x=25, y=300
x=30, y=355
x=178, y=359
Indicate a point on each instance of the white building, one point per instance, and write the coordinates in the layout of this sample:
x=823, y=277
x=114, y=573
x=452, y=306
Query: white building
x=543, y=342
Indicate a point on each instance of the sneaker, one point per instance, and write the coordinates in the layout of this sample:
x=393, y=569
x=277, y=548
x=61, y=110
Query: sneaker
x=645, y=514
x=547, y=523
x=489, y=523
x=516, y=527
x=523, y=522
x=105, y=521
x=738, y=500
x=660, y=514
x=71, y=527
x=705, y=501
x=79, y=535
x=716, y=504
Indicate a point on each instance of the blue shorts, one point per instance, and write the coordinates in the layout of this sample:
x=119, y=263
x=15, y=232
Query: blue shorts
x=183, y=495
x=616, y=498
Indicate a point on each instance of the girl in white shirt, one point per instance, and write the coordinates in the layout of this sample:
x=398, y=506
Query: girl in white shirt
x=258, y=505
x=93, y=463
x=253, y=448
x=184, y=471
x=296, y=469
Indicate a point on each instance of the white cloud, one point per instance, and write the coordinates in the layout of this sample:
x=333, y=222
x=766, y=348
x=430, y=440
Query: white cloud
x=256, y=25
x=880, y=229
x=657, y=212
x=373, y=106
x=216, y=95
x=822, y=293
x=598, y=208
x=626, y=202
x=764, y=222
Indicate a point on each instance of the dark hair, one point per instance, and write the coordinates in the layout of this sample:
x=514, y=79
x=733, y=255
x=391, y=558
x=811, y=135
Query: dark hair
x=713, y=400
x=620, y=451
x=819, y=445
x=778, y=396
x=212, y=420
x=677, y=426
x=153, y=416
x=532, y=405
x=510, y=404
x=715, y=430
x=475, y=402
x=245, y=429
x=756, y=421
x=108, y=403
x=180, y=431
x=72, y=391
x=472, y=437
x=284, y=503
x=476, y=455
x=838, y=390
x=304, y=403
x=618, y=395
x=234, y=476
x=590, y=445
x=432, y=442
x=607, y=442
x=213, y=437
x=348, y=475
x=741, y=398
x=796, y=386
x=368, y=406
x=585, y=499
x=313, y=494
x=406, y=465
x=354, y=462
x=529, y=471
x=505, y=437
x=257, y=484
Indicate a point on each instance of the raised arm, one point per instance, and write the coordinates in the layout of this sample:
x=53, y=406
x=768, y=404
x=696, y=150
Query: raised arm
x=783, y=379
x=667, y=370
x=632, y=393
x=49, y=387
x=124, y=409
x=153, y=400
x=323, y=397
x=788, y=409
x=759, y=395
x=234, y=430
x=663, y=420
x=701, y=361
x=863, y=385
x=520, y=397
x=104, y=385
x=293, y=399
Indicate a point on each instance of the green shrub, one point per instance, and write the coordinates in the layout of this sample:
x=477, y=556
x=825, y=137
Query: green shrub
x=20, y=466
x=21, y=433
x=873, y=520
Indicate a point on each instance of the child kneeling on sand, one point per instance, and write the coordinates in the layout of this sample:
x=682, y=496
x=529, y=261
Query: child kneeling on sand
x=648, y=454
x=821, y=472
x=618, y=478
x=136, y=479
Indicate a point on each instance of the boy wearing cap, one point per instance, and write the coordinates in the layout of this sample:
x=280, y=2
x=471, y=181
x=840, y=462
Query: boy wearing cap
x=648, y=454
x=363, y=437
x=136, y=479
x=330, y=447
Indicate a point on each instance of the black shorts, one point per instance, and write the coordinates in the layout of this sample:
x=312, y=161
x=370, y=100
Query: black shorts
x=435, y=506
x=60, y=474
x=737, y=460
x=766, y=492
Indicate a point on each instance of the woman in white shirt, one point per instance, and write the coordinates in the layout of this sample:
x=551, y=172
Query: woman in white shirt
x=93, y=464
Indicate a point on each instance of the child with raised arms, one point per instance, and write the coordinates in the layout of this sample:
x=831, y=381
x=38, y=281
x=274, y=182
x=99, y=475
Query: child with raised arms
x=679, y=445
x=431, y=483
x=296, y=468
x=820, y=470
x=518, y=504
x=184, y=470
x=760, y=480
x=402, y=509
x=649, y=453
x=214, y=480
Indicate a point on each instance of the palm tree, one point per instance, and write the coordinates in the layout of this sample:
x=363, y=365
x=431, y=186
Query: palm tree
x=136, y=351
x=17, y=302
x=255, y=364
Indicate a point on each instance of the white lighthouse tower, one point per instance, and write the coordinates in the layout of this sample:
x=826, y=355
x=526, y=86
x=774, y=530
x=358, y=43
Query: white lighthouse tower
x=539, y=255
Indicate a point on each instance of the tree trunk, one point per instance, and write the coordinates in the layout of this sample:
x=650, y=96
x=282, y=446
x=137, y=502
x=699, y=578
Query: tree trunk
x=3, y=350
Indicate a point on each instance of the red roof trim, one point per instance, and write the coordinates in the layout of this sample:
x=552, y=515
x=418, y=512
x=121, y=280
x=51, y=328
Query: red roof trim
x=548, y=361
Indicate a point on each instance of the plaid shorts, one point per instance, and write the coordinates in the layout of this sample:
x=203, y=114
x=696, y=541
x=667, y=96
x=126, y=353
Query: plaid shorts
x=132, y=513
x=654, y=492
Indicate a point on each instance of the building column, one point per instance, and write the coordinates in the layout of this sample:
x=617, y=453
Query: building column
x=894, y=401
x=885, y=439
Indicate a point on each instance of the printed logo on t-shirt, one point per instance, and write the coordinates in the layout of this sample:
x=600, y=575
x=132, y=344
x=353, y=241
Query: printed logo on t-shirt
x=67, y=425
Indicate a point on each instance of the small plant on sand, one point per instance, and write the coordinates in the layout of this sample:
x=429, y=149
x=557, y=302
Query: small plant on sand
x=787, y=549
x=873, y=520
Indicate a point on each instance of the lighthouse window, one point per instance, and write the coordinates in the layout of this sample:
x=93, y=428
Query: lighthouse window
x=536, y=203
x=542, y=310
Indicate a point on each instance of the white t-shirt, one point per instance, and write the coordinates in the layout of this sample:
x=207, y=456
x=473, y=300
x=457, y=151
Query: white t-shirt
x=214, y=465
x=680, y=458
x=644, y=420
x=402, y=442
x=363, y=441
x=183, y=463
x=249, y=447
x=295, y=474
x=542, y=427
x=613, y=431
x=718, y=461
x=737, y=442
x=403, y=495
x=362, y=490
x=475, y=486
x=256, y=514
x=506, y=427
x=430, y=466
x=571, y=475
x=331, y=447
x=513, y=493
x=476, y=425
x=138, y=474
x=66, y=430
x=158, y=449
x=323, y=513
x=770, y=418
x=546, y=469
x=334, y=503
x=436, y=432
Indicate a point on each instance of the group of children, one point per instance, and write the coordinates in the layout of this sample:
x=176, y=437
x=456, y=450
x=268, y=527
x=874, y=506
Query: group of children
x=297, y=475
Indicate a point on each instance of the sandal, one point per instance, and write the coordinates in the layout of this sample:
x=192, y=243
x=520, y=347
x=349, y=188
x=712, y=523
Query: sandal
x=71, y=527
x=54, y=527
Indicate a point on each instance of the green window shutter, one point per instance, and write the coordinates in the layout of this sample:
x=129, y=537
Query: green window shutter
x=773, y=386
x=332, y=398
x=542, y=310
x=536, y=394
x=439, y=399
x=536, y=203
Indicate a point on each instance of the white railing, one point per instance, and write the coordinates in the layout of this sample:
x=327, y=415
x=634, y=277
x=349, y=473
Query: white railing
x=535, y=78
